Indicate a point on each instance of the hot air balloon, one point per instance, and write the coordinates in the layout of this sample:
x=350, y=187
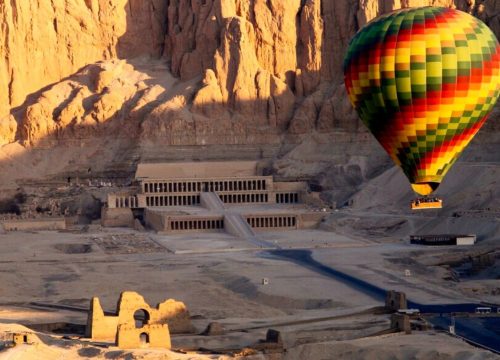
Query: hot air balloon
x=423, y=81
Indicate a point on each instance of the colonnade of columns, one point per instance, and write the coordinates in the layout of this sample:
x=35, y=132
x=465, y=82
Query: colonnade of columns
x=125, y=202
x=203, y=185
x=172, y=200
x=214, y=224
x=272, y=221
x=244, y=198
x=287, y=198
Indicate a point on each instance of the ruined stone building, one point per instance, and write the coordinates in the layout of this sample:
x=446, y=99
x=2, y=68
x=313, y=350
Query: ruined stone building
x=136, y=324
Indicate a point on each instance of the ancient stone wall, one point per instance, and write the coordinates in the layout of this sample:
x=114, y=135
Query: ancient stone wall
x=130, y=337
x=33, y=224
x=395, y=300
x=168, y=316
x=401, y=322
x=117, y=217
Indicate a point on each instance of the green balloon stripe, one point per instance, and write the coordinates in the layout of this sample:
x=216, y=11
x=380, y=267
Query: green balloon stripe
x=421, y=79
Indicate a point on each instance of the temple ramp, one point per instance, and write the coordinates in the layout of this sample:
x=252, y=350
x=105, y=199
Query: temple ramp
x=237, y=225
x=234, y=223
x=211, y=201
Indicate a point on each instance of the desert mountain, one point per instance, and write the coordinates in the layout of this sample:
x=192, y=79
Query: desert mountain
x=153, y=74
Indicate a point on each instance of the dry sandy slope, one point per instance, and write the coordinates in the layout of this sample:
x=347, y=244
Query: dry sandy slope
x=423, y=346
x=46, y=347
x=470, y=189
x=379, y=204
x=418, y=346
x=224, y=287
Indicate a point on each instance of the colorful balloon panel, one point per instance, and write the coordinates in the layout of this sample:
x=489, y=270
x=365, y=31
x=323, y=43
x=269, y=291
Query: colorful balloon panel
x=423, y=80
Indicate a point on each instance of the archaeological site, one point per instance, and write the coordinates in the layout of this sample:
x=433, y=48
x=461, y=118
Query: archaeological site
x=249, y=179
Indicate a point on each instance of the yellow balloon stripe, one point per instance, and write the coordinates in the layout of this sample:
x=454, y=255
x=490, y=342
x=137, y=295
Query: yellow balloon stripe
x=423, y=80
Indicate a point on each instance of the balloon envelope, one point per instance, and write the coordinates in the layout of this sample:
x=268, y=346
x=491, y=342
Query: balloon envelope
x=423, y=80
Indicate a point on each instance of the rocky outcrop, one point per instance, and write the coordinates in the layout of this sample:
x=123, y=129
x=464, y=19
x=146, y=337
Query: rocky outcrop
x=488, y=11
x=192, y=36
x=81, y=105
x=42, y=42
x=8, y=128
x=238, y=71
x=308, y=73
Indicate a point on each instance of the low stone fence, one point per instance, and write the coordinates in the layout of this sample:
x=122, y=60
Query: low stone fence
x=58, y=223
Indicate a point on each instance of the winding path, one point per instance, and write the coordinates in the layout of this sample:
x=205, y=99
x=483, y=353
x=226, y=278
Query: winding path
x=481, y=331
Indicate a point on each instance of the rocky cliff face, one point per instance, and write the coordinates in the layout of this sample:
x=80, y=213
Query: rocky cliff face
x=45, y=41
x=194, y=72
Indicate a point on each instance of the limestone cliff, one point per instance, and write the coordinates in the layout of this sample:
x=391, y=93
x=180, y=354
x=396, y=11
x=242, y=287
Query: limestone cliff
x=44, y=41
x=194, y=72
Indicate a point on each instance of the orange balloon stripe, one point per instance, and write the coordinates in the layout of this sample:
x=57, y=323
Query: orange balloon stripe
x=423, y=81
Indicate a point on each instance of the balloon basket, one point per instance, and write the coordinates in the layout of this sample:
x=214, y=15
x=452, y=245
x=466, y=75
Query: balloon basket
x=425, y=203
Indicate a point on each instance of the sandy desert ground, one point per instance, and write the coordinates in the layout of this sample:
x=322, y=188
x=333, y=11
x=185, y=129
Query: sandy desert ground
x=219, y=278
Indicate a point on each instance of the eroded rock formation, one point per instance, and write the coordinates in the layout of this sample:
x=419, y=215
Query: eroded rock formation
x=195, y=72
x=45, y=41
